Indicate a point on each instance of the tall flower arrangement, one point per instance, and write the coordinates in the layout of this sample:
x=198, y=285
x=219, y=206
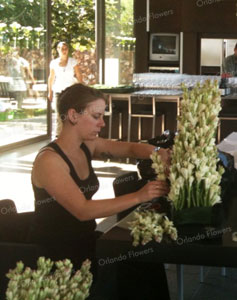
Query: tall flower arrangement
x=194, y=177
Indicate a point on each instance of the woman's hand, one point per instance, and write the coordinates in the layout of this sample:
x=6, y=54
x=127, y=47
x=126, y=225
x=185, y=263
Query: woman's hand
x=153, y=189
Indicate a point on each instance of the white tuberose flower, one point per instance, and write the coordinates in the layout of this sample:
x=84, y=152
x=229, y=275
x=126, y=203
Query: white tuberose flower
x=193, y=175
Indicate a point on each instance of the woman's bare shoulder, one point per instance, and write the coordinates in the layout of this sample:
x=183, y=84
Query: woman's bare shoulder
x=47, y=164
x=47, y=157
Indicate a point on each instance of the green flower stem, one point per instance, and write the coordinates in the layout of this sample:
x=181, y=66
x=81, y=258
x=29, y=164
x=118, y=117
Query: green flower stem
x=189, y=195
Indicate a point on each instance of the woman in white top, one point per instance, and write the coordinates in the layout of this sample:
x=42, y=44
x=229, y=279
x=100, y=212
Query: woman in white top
x=64, y=72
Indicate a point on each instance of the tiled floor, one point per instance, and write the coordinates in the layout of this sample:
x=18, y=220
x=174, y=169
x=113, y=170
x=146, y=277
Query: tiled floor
x=214, y=287
x=16, y=184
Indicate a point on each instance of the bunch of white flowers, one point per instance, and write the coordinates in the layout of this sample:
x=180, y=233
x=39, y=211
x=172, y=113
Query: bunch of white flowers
x=194, y=177
x=43, y=284
x=148, y=225
x=158, y=165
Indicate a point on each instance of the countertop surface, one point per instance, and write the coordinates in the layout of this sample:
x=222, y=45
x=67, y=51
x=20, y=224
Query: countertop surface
x=158, y=92
x=213, y=245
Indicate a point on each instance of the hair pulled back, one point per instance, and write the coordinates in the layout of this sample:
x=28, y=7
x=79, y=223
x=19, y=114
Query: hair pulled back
x=77, y=96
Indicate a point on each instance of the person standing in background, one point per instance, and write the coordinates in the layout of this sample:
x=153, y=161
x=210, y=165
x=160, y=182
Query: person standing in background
x=64, y=72
x=230, y=63
x=18, y=70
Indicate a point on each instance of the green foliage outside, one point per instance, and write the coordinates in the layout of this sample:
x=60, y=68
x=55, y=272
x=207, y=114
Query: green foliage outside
x=119, y=17
x=73, y=21
x=23, y=23
x=119, y=23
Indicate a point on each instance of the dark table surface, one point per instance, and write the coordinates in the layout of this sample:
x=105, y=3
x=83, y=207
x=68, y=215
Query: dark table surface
x=196, y=245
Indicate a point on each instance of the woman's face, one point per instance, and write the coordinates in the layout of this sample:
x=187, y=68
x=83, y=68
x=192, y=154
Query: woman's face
x=90, y=121
x=62, y=50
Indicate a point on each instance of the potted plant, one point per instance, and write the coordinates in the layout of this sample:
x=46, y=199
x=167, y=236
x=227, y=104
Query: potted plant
x=43, y=283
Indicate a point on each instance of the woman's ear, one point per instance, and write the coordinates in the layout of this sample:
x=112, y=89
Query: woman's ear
x=73, y=116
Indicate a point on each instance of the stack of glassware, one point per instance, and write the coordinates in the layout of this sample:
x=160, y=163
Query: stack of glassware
x=168, y=81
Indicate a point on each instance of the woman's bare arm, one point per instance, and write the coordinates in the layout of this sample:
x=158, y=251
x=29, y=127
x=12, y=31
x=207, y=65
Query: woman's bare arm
x=52, y=174
x=78, y=73
x=104, y=148
x=50, y=84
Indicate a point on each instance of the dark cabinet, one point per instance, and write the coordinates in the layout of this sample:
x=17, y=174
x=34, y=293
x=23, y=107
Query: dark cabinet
x=165, y=16
x=141, y=53
x=209, y=16
x=195, y=18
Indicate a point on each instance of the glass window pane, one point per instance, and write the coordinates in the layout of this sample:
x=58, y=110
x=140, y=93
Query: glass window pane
x=73, y=23
x=23, y=102
x=120, y=42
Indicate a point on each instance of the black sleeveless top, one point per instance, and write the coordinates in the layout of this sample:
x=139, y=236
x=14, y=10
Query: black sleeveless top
x=52, y=222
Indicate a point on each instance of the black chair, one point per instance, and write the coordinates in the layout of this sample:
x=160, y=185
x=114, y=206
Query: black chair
x=14, y=227
x=126, y=184
x=227, y=113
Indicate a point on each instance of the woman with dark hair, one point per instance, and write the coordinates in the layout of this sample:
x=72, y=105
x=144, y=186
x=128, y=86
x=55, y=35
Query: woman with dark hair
x=64, y=180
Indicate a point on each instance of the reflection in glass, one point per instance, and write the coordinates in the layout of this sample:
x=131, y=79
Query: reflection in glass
x=120, y=42
x=23, y=102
